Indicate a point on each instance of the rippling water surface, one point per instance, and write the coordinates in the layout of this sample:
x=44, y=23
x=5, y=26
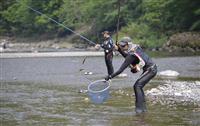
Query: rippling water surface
x=45, y=91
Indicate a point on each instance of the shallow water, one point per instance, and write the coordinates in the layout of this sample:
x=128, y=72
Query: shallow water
x=37, y=104
x=45, y=91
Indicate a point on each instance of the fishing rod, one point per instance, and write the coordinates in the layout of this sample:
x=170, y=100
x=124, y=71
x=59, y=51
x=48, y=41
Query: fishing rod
x=60, y=24
x=118, y=17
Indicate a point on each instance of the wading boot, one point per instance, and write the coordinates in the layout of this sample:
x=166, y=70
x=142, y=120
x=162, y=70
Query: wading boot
x=141, y=108
x=144, y=107
x=138, y=108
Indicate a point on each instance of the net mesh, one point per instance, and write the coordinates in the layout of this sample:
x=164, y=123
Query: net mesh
x=98, y=86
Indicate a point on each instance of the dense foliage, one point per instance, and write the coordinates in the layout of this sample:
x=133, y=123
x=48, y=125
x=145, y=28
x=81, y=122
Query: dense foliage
x=146, y=21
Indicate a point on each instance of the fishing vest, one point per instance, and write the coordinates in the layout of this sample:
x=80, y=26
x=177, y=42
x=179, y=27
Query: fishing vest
x=144, y=59
x=108, y=45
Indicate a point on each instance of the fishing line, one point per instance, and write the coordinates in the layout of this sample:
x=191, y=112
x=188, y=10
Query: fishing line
x=60, y=24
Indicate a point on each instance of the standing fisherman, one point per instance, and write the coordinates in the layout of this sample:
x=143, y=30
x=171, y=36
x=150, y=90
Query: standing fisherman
x=108, y=47
x=136, y=59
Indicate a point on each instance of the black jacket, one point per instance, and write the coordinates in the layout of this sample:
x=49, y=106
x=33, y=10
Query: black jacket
x=133, y=58
x=108, y=45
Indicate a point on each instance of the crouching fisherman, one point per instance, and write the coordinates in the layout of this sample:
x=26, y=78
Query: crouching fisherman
x=136, y=59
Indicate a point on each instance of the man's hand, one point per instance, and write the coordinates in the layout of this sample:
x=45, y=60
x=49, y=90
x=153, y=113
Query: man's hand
x=108, y=77
x=97, y=46
x=116, y=47
x=135, y=68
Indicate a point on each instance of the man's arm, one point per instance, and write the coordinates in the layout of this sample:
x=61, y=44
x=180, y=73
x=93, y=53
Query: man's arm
x=128, y=60
x=122, y=52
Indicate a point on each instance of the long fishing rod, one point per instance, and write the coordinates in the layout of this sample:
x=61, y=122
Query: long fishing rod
x=118, y=17
x=60, y=24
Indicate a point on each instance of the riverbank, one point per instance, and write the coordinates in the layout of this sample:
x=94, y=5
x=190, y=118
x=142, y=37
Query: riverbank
x=173, y=92
x=16, y=45
x=51, y=54
x=174, y=46
x=83, y=54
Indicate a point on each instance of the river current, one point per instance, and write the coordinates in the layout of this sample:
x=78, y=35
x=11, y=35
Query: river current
x=46, y=91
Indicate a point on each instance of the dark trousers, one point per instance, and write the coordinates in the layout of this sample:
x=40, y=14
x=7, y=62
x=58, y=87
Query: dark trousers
x=108, y=61
x=140, y=83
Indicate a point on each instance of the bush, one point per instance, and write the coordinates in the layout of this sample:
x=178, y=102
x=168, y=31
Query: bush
x=142, y=34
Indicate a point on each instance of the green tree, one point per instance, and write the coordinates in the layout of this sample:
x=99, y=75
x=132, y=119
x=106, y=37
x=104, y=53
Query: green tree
x=171, y=14
x=182, y=15
x=22, y=20
x=149, y=18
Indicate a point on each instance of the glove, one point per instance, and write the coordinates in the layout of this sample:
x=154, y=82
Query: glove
x=108, y=77
x=134, y=70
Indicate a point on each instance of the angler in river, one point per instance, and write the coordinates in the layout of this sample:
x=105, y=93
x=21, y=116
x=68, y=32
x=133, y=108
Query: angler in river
x=136, y=59
x=108, y=46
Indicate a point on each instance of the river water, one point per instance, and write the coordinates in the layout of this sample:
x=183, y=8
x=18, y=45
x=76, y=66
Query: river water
x=46, y=91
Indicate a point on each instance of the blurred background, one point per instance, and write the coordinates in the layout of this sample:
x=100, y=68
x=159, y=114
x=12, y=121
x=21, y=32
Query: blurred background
x=157, y=25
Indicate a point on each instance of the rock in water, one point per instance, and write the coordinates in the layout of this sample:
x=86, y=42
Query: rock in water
x=176, y=92
x=88, y=73
x=1, y=49
x=86, y=99
x=122, y=75
x=169, y=73
x=82, y=91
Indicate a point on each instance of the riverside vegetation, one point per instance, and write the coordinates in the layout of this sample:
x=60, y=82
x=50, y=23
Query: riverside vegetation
x=151, y=23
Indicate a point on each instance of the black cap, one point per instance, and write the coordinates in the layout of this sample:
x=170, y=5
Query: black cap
x=124, y=41
x=105, y=32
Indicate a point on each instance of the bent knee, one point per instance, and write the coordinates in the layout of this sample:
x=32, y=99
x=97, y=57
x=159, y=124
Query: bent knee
x=138, y=84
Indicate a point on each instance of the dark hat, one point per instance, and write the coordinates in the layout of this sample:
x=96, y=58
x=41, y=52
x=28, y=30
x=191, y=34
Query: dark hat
x=124, y=41
x=105, y=32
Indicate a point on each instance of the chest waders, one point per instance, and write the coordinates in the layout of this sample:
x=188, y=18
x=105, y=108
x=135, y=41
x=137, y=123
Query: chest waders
x=108, y=61
x=149, y=71
x=108, y=46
